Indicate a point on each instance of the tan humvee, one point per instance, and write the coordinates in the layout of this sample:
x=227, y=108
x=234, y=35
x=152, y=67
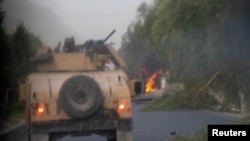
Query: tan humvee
x=75, y=93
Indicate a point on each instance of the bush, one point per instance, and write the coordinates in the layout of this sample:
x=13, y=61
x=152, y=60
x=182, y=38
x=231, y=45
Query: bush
x=9, y=109
x=199, y=135
x=182, y=100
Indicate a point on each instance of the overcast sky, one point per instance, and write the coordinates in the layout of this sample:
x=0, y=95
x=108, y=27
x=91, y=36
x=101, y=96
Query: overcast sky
x=89, y=19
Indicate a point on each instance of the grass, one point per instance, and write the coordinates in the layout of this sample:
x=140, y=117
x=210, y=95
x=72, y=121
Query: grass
x=188, y=101
x=181, y=101
x=201, y=134
x=11, y=113
x=14, y=118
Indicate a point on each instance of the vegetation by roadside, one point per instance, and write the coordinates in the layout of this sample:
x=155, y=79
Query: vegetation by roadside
x=15, y=52
x=188, y=101
x=202, y=44
x=12, y=114
x=201, y=134
x=185, y=100
x=181, y=101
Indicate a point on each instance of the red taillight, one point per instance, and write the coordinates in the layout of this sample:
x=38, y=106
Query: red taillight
x=40, y=109
x=121, y=106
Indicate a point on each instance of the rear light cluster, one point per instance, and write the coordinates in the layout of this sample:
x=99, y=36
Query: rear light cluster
x=122, y=107
x=38, y=109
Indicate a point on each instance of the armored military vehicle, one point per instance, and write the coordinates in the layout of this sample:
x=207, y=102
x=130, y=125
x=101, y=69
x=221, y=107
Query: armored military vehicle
x=74, y=92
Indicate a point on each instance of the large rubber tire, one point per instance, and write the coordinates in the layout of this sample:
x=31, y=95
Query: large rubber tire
x=80, y=96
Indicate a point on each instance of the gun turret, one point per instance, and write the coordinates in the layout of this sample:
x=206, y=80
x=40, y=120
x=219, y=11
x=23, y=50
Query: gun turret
x=96, y=45
x=109, y=36
x=92, y=55
x=91, y=42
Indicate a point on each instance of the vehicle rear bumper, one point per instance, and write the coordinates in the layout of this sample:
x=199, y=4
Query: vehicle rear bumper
x=72, y=126
x=81, y=125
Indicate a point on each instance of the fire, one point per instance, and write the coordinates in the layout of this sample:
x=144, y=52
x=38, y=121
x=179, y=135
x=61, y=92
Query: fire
x=150, y=84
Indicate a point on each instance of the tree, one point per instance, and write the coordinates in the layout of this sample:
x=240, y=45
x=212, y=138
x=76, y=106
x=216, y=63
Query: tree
x=6, y=54
x=15, y=51
x=25, y=45
x=204, y=43
x=7, y=73
x=136, y=42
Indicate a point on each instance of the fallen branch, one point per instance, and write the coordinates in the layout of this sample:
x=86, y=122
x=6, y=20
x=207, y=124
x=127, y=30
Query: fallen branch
x=209, y=81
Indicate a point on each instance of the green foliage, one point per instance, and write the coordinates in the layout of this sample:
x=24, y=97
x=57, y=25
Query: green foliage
x=15, y=51
x=203, y=44
x=199, y=135
x=25, y=45
x=244, y=120
x=6, y=63
x=136, y=42
x=7, y=109
x=182, y=100
x=174, y=15
x=132, y=50
x=7, y=70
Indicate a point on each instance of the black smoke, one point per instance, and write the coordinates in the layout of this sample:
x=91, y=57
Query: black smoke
x=149, y=64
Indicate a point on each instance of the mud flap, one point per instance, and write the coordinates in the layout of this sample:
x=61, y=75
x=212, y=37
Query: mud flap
x=123, y=135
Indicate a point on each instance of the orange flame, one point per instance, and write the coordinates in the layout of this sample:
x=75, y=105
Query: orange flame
x=150, y=85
